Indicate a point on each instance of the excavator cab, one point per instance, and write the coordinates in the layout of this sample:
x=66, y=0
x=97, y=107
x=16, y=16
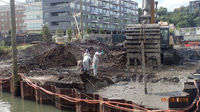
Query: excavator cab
x=164, y=36
x=167, y=51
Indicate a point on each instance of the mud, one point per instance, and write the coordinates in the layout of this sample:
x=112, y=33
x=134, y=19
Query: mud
x=134, y=91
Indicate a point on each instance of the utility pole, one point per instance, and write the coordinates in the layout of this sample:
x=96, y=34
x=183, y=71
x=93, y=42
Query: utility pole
x=81, y=8
x=156, y=11
x=199, y=14
x=14, y=47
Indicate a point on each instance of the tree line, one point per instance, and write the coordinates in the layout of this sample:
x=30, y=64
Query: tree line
x=180, y=17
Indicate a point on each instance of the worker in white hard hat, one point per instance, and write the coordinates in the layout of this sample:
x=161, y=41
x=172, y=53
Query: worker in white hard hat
x=95, y=62
x=86, y=61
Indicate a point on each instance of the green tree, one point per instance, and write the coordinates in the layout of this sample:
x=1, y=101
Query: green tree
x=88, y=30
x=182, y=24
x=59, y=32
x=162, y=11
x=46, y=33
x=101, y=31
x=69, y=33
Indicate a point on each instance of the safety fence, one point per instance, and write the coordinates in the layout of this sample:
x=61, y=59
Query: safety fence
x=72, y=99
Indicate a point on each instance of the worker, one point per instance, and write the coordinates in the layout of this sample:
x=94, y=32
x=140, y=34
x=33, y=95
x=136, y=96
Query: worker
x=86, y=53
x=86, y=61
x=96, y=62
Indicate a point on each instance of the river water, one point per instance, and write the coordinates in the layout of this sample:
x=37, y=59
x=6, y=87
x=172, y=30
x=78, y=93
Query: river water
x=9, y=103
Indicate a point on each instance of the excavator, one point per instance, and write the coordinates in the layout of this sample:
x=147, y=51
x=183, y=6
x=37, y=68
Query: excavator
x=150, y=38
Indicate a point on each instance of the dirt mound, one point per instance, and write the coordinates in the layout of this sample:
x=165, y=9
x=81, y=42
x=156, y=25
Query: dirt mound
x=36, y=50
x=187, y=55
x=59, y=56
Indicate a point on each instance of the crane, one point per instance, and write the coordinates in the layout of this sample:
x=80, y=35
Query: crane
x=76, y=23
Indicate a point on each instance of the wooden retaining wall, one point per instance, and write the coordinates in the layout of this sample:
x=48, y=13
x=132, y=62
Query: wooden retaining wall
x=30, y=93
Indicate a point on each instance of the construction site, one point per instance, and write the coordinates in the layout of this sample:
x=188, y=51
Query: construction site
x=146, y=72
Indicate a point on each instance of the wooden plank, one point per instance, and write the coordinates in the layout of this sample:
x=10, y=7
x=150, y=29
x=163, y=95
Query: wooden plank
x=146, y=46
x=145, y=34
x=138, y=37
x=139, y=30
x=147, y=41
x=138, y=54
x=146, y=50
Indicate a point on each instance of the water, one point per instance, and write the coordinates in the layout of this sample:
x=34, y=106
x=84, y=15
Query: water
x=9, y=103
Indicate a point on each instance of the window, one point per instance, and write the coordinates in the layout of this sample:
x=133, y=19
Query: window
x=34, y=26
x=58, y=23
x=31, y=17
x=72, y=5
x=63, y=13
x=88, y=8
x=34, y=8
x=46, y=14
x=58, y=4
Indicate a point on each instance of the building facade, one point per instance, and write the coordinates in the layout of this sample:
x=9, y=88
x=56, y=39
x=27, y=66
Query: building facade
x=189, y=34
x=34, y=16
x=5, y=19
x=193, y=6
x=111, y=15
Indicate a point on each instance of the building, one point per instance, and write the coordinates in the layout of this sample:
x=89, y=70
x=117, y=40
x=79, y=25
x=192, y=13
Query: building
x=111, y=15
x=193, y=5
x=189, y=34
x=34, y=16
x=5, y=19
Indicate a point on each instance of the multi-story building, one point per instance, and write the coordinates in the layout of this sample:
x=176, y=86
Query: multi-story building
x=193, y=5
x=34, y=16
x=5, y=19
x=111, y=15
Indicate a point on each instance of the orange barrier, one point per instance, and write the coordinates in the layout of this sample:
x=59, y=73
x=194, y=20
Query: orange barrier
x=112, y=104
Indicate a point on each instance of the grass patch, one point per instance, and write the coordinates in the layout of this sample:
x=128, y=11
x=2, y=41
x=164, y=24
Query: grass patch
x=8, y=49
x=23, y=47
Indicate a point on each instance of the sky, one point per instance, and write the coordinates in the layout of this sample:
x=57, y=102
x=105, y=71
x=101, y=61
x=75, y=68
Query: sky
x=169, y=4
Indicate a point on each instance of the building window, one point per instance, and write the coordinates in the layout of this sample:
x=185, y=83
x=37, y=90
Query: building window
x=58, y=23
x=34, y=8
x=46, y=14
x=63, y=13
x=57, y=4
x=88, y=8
x=34, y=26
x=72, y=5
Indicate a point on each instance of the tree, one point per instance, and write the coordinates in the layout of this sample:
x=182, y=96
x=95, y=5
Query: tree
x=101, y=31
x=45, y=33
x=88, y=30
x=69, y=33
x=182, y=24
x=59, y=32
x=162, y=11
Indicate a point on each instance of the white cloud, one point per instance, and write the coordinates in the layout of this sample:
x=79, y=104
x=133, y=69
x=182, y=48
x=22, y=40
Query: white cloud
x=172, y=4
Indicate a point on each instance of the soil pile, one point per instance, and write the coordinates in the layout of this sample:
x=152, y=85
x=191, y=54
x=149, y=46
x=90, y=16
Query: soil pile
x=59, y=56
x=36, y=50
x=187, y=55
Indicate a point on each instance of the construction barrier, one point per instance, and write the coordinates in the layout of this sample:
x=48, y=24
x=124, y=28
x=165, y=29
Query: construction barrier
x=72, y=99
